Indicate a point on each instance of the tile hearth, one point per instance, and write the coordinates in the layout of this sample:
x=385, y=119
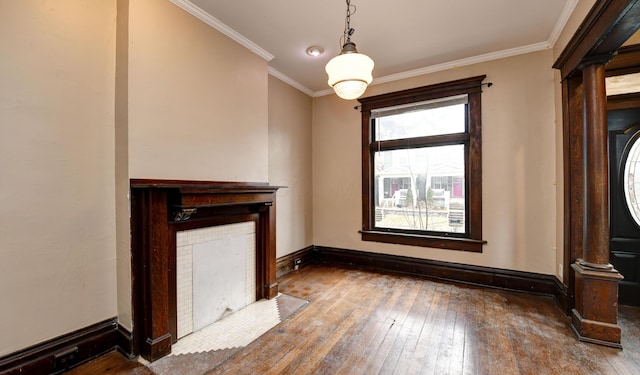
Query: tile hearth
x=204, y=350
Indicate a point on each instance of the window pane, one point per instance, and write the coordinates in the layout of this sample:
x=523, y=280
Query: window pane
x=421, y=123
x=420, y=189
x=632, y=181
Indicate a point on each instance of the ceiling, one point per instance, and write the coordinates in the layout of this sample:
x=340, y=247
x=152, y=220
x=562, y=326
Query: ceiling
x=403, y=37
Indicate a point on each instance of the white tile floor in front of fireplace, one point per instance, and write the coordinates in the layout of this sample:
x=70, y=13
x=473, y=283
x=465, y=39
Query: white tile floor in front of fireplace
x=185, y=241
x=236, y=330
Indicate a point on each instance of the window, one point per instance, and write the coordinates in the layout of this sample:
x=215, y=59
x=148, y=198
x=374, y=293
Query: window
x=631, y=178
x=422, y=167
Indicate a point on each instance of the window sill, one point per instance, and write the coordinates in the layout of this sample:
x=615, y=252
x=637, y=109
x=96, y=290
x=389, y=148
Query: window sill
x=450, y=243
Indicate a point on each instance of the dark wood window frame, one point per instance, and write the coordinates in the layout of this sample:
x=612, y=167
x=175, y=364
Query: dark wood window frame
x=472, y=139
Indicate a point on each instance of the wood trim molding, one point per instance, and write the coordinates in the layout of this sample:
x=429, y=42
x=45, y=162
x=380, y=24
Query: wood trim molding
x=287, y=263
x=623, y=101
x=449, y=243
x=573, y=171
x=124, y=342
x=607, y=26
x=471, y=240
x=461, y=86
x=63, y=352
x=477, y=275
x=184, y=184
x=626, y=61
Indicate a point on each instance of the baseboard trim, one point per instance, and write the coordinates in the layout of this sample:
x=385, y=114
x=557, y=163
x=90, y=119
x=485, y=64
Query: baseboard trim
x=485, y=276
x=108, y=335
x=76, y=348
x=286, y=264
x=124, y=342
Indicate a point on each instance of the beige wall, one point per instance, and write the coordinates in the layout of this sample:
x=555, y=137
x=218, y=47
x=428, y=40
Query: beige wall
x=519, y=195
x=197, y=100
x=290, y=165
x=57, y=228
x=123, y=238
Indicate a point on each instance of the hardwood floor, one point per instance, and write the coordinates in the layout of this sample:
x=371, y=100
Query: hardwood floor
x=113, y=364
x=362, y=322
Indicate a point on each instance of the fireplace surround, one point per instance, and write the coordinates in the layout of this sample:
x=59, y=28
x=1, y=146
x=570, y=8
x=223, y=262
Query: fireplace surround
x=161, y=208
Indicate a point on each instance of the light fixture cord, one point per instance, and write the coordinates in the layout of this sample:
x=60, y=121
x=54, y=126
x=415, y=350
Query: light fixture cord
x=348, y=31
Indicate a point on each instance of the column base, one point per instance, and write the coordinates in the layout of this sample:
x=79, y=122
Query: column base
x=595, y=316
x=590, y=331
x=271, y=291
x=153, y=349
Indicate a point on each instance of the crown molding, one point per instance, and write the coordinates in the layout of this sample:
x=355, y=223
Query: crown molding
x=226, y=30
x=205, y=17
x=562, y=21
x=286, y=79
x=323, y=92
x=454, y=64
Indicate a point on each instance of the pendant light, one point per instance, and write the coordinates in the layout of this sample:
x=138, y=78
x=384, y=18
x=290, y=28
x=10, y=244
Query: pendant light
x=349, y=72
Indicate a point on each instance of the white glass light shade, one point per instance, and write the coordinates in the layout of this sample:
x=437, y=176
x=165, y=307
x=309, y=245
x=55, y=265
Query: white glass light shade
x=349, y=74
x=350, y=89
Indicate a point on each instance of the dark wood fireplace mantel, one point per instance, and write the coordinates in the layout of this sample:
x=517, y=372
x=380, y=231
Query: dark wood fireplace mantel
x=159, y=209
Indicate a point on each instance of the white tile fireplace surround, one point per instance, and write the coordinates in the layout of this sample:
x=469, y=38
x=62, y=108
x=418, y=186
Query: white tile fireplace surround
x=160, y=209
x=215, y=274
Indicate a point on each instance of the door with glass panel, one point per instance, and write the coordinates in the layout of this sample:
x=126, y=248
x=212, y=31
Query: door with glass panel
x=624, y=191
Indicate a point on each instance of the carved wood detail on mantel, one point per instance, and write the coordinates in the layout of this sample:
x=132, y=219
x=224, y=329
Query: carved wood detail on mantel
x=159, y=209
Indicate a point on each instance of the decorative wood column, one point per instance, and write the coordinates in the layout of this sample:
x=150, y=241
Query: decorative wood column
x=592, y=281
x=595, y=315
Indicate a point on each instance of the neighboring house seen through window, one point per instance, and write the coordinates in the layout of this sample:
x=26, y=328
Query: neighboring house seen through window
x=422, y=168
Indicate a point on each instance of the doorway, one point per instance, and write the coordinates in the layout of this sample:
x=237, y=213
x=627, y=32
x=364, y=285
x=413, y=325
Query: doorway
x=624, y=193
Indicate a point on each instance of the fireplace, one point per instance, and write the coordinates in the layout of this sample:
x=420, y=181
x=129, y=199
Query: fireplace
x=162, y=208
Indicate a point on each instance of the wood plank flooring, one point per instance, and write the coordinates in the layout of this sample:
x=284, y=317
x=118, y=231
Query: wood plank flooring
x=363, y=322
x=111, y=364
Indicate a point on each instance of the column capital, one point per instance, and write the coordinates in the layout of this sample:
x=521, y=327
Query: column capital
x=601, y=59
